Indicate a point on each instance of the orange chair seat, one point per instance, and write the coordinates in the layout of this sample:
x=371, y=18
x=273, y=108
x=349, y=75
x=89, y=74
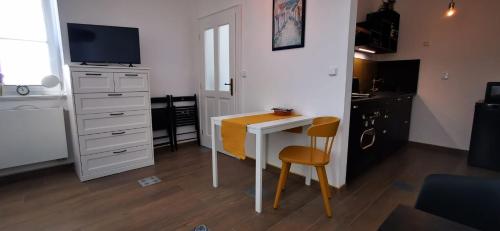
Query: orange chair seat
x=304, y=155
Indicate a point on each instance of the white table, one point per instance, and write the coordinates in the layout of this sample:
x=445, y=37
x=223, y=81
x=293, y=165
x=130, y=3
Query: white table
x=261, y=130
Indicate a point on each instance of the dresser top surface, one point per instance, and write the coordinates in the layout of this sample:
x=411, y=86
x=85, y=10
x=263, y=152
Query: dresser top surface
x=108, y=67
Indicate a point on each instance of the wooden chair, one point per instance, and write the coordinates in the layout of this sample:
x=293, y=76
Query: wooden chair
x=323, y=127
x=185, y=114
x=161, y=117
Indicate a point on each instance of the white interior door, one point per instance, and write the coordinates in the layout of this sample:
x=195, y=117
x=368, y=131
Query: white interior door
x=218, y=79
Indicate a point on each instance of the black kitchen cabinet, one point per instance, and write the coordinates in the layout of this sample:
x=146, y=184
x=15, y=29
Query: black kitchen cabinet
x=380, y=32
x=378, y=128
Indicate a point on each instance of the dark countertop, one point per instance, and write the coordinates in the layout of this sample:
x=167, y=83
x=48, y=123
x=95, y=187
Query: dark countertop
x=382, y=95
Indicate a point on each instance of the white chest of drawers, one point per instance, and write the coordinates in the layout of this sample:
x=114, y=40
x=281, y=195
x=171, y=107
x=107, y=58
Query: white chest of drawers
x=110, y=114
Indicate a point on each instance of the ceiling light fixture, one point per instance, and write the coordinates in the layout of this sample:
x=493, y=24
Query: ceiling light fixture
x=451, y=9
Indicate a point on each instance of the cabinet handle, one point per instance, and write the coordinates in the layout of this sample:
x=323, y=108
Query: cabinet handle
x=122, y=151
x=132, y=75
x=117, y=114
x=406, y=121
x=384, y=131
x=115, y=94
x=117, y=133
x=368, y=132
x=93, y=74
x=355, y=106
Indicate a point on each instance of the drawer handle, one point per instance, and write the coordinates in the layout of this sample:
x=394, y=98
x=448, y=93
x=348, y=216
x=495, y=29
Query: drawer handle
x=117, y=133
x=132, y=75
x=93, y=74
x=122, y=151
x=117, y=114
x=115, y=94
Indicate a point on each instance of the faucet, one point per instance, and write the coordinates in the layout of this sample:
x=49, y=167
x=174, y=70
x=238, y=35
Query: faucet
x=374, y=84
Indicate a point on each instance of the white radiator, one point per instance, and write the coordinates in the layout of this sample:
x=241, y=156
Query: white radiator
x=31, y=135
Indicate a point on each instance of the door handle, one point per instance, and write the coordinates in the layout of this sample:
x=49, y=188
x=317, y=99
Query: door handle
x=231, y=85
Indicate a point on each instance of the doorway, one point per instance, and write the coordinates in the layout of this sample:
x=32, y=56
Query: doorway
x=219, y=37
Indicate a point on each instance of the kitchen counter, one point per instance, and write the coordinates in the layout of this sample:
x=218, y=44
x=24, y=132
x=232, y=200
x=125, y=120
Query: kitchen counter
x=382, y=95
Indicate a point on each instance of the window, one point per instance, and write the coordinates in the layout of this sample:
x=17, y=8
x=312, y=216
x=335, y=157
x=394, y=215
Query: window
x=28, y=46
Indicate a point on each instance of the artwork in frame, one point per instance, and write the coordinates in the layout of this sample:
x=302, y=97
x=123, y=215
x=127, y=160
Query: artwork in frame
x=289, y=22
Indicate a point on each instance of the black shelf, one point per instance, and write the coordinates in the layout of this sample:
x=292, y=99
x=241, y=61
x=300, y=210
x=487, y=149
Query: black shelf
x=380, y=32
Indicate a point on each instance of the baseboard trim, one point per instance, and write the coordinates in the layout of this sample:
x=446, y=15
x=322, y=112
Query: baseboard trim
x=437, y=148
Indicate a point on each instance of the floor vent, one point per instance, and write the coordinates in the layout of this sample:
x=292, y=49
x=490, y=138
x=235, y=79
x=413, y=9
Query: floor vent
x=149, y=181
x=201, y=228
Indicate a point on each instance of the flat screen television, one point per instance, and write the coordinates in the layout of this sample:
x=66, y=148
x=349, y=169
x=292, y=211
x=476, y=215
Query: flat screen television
x=103, y=44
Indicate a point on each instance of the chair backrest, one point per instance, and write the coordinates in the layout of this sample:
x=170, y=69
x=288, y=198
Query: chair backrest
x=324, y=127
x=185, y=114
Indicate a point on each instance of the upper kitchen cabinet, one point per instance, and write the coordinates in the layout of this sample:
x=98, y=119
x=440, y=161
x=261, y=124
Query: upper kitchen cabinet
x=379, y=33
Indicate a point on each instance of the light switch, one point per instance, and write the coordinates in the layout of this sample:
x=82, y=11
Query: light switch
x=243, y=73
x=333, y=71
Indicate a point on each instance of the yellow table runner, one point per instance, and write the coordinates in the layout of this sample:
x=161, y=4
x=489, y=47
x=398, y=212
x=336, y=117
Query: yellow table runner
x=234, y=131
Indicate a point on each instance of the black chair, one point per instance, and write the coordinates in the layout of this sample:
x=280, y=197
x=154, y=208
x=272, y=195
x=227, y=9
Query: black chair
x=184, y=110
x=162, y=121
x=472, y=201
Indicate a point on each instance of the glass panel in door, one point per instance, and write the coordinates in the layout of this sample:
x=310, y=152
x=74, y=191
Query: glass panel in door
x=209, y=60
x=224, y=57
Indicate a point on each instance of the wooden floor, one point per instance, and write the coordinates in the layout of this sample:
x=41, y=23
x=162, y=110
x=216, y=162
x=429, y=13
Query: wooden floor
x=54, y=199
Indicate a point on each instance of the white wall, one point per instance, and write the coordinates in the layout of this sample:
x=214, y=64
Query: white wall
x=297, y=78
x=165, y=32
x=466, y=46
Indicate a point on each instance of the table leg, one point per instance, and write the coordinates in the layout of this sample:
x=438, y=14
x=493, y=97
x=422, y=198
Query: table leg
x=260, y=140
x=214, y=156
x=264, y=151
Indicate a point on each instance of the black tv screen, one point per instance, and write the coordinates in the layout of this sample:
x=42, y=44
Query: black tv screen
x=103, y=44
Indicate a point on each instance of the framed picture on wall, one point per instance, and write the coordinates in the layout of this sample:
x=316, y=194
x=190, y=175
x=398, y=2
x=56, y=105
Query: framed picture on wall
x=289, y=20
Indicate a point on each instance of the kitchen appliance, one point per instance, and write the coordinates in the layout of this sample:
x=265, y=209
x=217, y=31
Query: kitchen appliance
x=492, y=93
x=484, y=149
x=363, y=137
x=379, y=127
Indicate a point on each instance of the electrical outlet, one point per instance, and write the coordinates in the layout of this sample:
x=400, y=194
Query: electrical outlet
x=445, y=76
